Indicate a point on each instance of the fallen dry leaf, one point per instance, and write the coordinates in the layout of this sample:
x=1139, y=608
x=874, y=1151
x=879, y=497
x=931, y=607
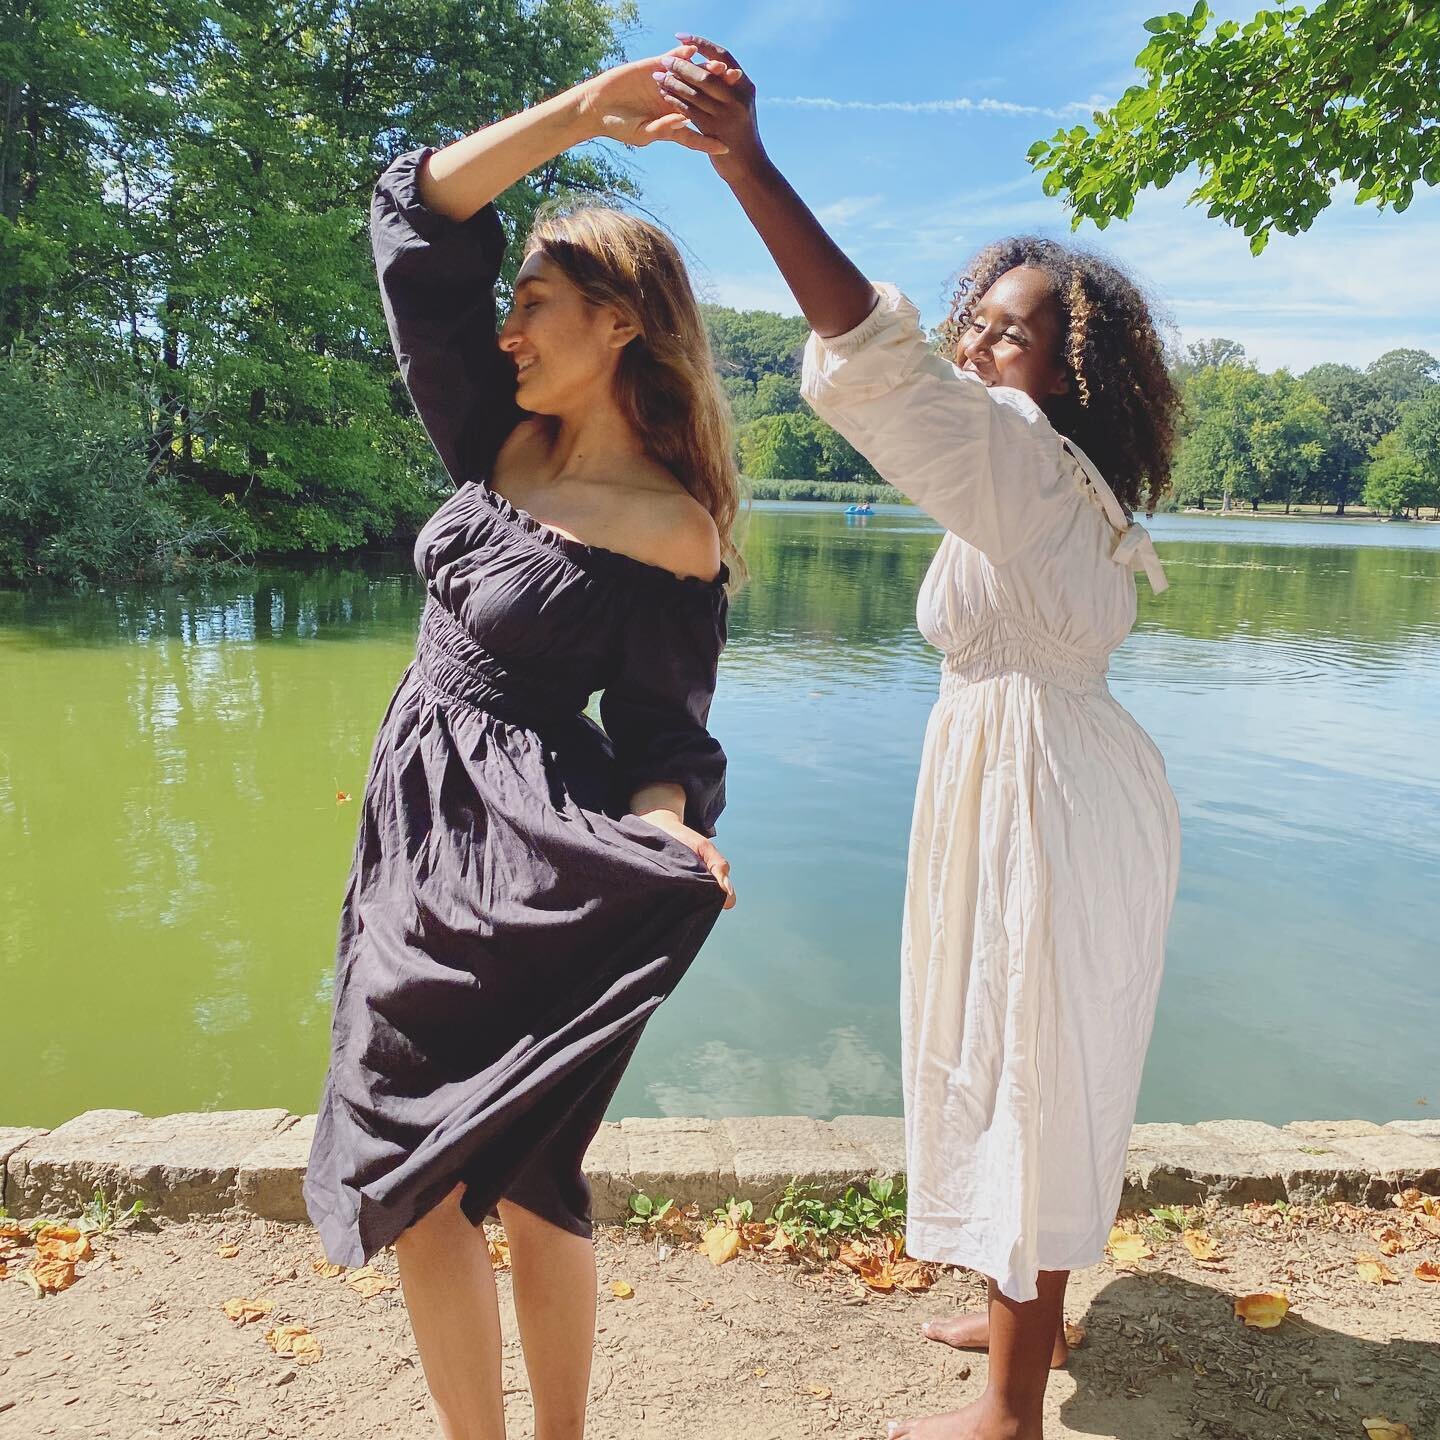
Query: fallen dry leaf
x=913, y=1276
x=820, y=1392
x=367, y=1283
x=1263, y=1311
x=1377, y=1427
x=621, y=1290
x=243, y=1311
x=1126, y=1249
x=1199, y=1244
x=1374, y=1271
x=1427, y=1270
x=52, y=1274
x=781, y=1240
x=499, y=1249
x=721, y=1243
x=52, y=1247
x=57, y=1232
x=326, y=1270
x=4, y=1270
x=11, y=1230
x=296, y=1341
x=28, y=1276
x=228, y=1252
x=761, y=1372
x=1074, y=1335
x=1390, y=1240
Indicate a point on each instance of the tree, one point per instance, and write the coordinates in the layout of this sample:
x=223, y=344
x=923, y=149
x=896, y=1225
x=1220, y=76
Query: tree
x=1357, y=414
x=1404, y=375
x=1208, y=355
x=781, y=447
x=183, y=197
x=1273, y=113
x=755, y=343
x=778, y=394
x=1395, y=481
x=1253, y=437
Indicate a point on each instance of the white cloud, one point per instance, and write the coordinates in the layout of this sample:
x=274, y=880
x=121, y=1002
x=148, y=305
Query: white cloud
x=959, y=105
x=1358, y=283
x=843, y=211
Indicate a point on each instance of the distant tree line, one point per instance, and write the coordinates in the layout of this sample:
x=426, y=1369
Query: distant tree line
x=1335, y=435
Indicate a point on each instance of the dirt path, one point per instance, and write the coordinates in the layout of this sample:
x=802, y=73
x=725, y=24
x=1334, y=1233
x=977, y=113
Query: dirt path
x=139, y=1348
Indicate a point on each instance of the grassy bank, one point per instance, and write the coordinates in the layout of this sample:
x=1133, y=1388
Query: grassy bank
x=844, y=492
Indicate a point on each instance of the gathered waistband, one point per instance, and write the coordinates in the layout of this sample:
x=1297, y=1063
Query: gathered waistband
x=1011, y=646
x=452, y=666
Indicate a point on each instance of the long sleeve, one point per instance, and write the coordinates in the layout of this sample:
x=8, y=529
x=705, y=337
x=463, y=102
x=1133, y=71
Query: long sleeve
x=437, y=283
x=657, y=704
x=983, y=462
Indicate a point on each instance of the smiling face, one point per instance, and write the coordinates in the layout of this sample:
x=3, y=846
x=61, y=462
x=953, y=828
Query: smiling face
x=1013, y=338
x=565, y=349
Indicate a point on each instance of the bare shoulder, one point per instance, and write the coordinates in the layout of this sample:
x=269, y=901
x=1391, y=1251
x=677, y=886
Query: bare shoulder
x=665, y=525
x=686, y=532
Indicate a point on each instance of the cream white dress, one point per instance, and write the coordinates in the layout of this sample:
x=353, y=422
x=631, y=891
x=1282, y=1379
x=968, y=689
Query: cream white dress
x=1046, y=841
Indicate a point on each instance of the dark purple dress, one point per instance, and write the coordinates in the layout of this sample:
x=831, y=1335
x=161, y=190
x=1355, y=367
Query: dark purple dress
x=508, y=928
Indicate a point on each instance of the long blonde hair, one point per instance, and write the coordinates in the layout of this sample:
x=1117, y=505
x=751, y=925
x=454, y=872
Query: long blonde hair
x=666, y=384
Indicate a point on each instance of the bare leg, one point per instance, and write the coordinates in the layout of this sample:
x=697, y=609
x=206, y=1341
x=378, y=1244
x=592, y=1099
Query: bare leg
x=1022, y=1342
x=449, y=1289
x=554, y=1277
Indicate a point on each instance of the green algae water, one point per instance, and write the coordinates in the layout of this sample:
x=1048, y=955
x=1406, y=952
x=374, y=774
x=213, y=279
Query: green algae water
x=173, y=848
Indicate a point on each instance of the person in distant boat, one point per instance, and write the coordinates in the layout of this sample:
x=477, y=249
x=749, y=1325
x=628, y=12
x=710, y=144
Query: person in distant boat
x=1046, y=842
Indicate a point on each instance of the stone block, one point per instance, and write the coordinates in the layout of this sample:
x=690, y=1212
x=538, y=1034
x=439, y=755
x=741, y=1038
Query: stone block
x=607, y=1168
x=1183, y=1165
x=1251, y=1137
x=1319, y=1131
x=772, y=1150
x=1421, y=1129
x=12, y=1137
x=271, y=1178
x=880, y=1137
x=1391, y=1161
x=676, y=1158
x=177, y=1164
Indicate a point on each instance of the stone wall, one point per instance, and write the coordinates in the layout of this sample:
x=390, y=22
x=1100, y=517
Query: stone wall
x=253, y=1161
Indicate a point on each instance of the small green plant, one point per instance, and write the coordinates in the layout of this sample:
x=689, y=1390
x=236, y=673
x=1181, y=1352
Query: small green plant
x=804, y=1213
x=100, y=1215
x=1169, y=1216
x=738, y=1212
x=645, y=1210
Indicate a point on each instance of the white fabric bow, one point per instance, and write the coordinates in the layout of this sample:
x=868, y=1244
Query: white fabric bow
x=1136, y=548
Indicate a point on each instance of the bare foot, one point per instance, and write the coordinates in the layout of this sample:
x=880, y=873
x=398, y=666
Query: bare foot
x=972, y=1332
x=984, y=1420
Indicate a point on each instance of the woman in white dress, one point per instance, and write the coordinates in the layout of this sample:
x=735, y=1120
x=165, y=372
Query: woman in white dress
x=1046, y=841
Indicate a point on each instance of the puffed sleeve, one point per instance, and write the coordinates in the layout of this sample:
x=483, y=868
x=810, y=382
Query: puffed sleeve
x=437, y=284
x=983, y=462
x=657, y=702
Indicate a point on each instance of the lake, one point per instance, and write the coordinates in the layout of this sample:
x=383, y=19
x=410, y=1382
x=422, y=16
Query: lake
x=172, y=851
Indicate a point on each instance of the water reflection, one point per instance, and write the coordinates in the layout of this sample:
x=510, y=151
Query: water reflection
x=170, y=839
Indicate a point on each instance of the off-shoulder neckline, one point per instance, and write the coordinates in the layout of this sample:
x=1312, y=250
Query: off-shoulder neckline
x=595, y=556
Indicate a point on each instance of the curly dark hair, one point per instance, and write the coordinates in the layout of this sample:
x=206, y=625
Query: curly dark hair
x=1122, y=408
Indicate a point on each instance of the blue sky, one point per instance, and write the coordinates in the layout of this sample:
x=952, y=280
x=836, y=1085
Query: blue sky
x=905, y=126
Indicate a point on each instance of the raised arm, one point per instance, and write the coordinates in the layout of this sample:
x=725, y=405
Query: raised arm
x=619, y=104
x=704, y=84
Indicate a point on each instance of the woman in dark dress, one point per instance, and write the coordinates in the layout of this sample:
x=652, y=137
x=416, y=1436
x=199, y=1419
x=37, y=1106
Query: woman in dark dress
x=527, y=889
